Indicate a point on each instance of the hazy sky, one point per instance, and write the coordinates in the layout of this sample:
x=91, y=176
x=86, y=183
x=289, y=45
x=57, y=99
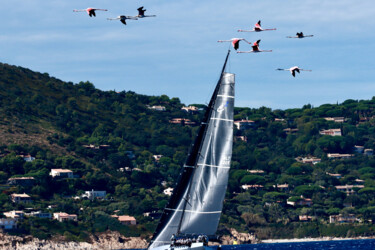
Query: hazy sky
x=177, y=54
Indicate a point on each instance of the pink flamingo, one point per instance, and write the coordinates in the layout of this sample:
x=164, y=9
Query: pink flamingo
x=255, y=49
x=235, y=42
x=295, y=69
x=257, y=28
x=90, y=11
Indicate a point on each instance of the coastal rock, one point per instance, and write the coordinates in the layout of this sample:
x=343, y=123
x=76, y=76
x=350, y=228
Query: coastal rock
x=107, y=240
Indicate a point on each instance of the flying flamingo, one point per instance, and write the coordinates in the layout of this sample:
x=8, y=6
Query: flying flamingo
x=295, y=69
x=141, y=13
x=257, y=28
x=90, y=11
x=255, y=49
x=123, y=18
x=235, y=42
x=300, y=35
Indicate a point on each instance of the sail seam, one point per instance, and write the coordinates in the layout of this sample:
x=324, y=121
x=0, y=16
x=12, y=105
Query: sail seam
x=221, y=119
x=229, y=96
x=191, y=211
x=212, y=166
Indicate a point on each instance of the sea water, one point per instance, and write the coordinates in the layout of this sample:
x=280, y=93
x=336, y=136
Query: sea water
x=333, y=244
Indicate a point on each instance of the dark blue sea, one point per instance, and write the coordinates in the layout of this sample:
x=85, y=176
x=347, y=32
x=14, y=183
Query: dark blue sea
x=334, y=244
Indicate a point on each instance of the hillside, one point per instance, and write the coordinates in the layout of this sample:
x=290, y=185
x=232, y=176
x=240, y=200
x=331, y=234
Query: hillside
x=289, y=173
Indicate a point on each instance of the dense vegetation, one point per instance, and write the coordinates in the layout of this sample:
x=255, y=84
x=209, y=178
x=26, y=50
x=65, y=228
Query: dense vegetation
x=54, y=121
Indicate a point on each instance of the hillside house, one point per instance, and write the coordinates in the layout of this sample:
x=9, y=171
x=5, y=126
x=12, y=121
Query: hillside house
x=359, y=149
x=331, y=132
x=241, y=138
x=21, y=198
x=257, y=187
x=61, y=173
x=256, y=171
x=335, y=119
x=190, y=109
x=338, y=176
x=158, y=108
x=368, y=152
x=125, y=219
x=27, y=158
x=8, y=223
x=182, y=121
x=308, y=160
x=339, y=156
x=244, y=124
x=168, y=191
x=351, y=218
x=64, y=217
x=157, y=157
x=282, y=187
x=39, y=214
x=14, y=214
x=21, y=181
x=299, y=202
x=91, y=195
x=349, y=189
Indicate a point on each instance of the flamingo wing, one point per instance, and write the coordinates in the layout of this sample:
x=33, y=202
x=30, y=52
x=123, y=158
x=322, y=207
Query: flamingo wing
x=236, y=44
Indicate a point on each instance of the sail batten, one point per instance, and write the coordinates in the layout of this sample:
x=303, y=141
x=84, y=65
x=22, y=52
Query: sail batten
x=196, y=203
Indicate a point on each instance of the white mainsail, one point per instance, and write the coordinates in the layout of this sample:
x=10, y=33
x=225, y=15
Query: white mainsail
x=196, y=204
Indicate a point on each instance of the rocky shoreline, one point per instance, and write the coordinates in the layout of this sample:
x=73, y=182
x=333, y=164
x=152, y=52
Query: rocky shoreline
x=114, y=240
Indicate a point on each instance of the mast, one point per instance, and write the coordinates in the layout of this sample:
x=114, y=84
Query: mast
x=202, y=182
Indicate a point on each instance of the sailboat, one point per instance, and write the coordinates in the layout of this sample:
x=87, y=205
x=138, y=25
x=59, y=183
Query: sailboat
x=196, y=204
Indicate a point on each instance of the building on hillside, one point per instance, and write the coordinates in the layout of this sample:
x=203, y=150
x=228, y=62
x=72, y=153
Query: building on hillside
x=157, y=157
x=61, y=173
x=308, y=160
x=168, y=191
x=349, y=189
x=21, y=181
x=279, y=120
x=157, y=108
x=256, y=187
x=125, y=219
x=241, y=138
x=8, y=223
x=282, y=187
x=64, y=217
x=182, y=121
x=256, y=171
x=336, y=119
x=299, y=202
x=368, y=152
x=39, y=214
x=350, y=218
x=14, y=214
x=91, y=195
x=359, y=149
x=306, y=218
x=290, y=131
x=27, y=158
x=339, y=156
x=331, y=132
x=190, y=109
x=244, y=124
x=21, y=198
x=338, y=176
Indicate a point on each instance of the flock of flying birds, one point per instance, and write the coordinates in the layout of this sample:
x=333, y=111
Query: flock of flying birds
x=141, y=14
x=255, y=46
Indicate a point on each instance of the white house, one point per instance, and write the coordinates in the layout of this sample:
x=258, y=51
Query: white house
x=331, y=132
x=62, y=173
x=64, y=216
x=95, y=194
x=168, y=191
